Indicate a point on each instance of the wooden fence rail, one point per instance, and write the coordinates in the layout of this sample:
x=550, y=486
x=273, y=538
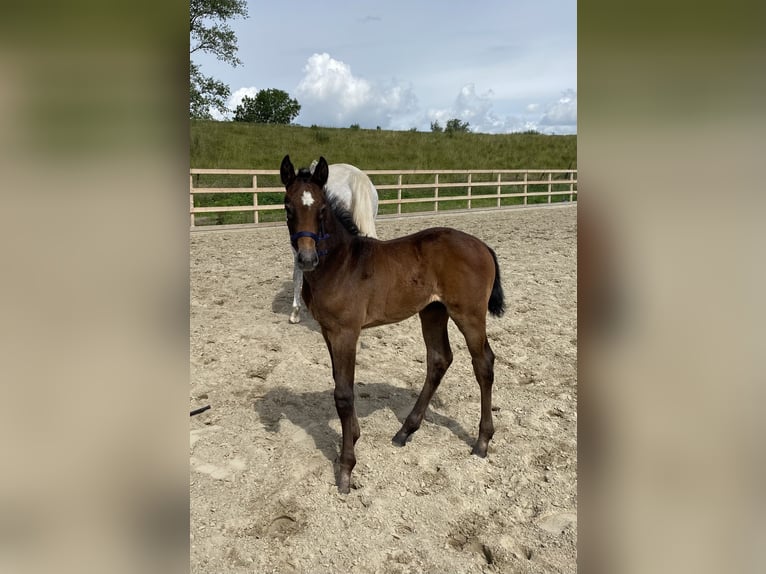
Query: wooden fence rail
x=406, y=191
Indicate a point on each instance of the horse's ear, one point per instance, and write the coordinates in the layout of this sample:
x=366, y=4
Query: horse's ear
x=287, y=171
x=321, y=172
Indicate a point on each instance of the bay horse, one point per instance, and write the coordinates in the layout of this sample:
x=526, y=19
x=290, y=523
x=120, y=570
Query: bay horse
x=354, y=282
x=355, y=192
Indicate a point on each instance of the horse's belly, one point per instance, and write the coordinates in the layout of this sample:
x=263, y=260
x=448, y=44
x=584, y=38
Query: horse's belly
x=396, y=309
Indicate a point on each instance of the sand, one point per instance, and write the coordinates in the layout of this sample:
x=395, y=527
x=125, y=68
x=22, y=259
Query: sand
x=263, y=458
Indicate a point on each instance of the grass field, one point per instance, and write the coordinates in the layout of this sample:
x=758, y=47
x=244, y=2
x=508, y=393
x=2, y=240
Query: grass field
x=234, y=145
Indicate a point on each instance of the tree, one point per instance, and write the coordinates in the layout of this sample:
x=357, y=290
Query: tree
x=456, y=126
x=268, y=107
x=210, y=32
x=436, y=127
x=205, y=93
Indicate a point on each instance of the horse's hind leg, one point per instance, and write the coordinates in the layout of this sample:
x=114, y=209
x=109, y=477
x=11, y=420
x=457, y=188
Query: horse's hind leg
x=483, y=359
x=433, y=320
x=295, y=315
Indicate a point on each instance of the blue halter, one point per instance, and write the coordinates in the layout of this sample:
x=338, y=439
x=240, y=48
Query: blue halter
x=317, y=238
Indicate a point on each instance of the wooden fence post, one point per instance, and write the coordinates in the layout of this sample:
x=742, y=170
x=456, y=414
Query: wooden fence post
x=571, y=185
x=526, y=178
x=469, y=190
x=498, y=189
x=255, y=199
x=436, y=192
x=399, y=197
x=550, y=177
x=191, y=201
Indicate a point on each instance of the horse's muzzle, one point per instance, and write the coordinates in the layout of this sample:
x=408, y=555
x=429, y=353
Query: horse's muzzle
x=307, y=259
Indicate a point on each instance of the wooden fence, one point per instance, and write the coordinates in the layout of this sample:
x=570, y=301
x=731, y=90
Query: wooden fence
x=244, y=196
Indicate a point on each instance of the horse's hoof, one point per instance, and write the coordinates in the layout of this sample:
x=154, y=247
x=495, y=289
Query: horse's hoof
x=295, y=316
x=400, y=439
x=344, y=484
x=479, y=451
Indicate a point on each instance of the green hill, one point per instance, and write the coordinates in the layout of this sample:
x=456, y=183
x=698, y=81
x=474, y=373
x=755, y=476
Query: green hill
x=236, y=145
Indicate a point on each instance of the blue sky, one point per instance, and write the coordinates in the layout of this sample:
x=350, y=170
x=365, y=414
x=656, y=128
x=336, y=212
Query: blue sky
x=501, y=65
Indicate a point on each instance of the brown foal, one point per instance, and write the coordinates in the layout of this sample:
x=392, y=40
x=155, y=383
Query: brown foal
x=353, y=282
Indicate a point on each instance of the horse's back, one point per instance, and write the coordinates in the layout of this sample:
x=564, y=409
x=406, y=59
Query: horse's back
x=355, y=189
x=446, y=248
x=342, y=173
x=437, y=236
x=438, y=264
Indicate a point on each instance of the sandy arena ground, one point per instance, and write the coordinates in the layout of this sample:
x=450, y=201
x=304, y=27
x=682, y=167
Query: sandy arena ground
x=263, y=458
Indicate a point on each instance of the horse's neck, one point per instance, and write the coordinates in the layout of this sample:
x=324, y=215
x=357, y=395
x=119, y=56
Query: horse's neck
x=337, y=246
x=340, y=237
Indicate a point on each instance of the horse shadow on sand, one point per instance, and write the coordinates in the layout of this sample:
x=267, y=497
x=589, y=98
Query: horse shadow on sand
x=314, y=410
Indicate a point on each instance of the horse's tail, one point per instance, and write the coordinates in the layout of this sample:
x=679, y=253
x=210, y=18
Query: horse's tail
x=362, y=209
x=496, y=303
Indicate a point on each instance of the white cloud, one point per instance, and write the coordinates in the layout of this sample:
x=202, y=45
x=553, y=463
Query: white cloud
x=474, y=108
x=562, y=114
x=327, y=79
x=331, y=95
x=477, y=109
x=234, y=100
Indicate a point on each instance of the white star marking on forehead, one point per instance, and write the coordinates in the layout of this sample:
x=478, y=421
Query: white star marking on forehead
x=307, y=199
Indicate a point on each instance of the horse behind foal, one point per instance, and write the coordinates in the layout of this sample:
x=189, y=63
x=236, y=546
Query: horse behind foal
x=354, y=282
x=356, y=194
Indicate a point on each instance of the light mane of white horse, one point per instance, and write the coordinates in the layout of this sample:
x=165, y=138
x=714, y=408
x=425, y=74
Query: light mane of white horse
x=355, y=191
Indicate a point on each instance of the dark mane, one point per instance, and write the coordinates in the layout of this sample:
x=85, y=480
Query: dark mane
x=303, y=174
x=343, y=215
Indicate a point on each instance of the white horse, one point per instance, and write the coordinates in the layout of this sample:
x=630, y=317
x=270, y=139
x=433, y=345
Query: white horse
x=357, y=194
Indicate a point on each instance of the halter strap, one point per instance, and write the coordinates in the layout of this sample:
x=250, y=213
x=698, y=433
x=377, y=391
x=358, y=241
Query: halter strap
x=316, y=237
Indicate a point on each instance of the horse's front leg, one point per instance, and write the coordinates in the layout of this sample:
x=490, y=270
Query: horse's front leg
x=295, y=316
x=342, y=347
